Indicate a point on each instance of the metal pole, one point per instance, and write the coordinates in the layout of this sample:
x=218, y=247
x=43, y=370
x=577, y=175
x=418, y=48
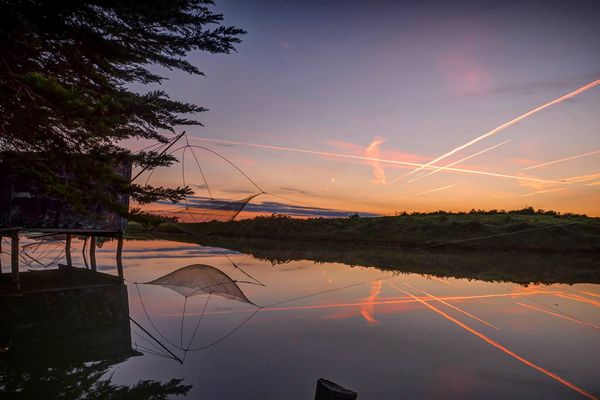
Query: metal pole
x=93, y=252
x=68, y=250
x=14, y=260
x=163, y=152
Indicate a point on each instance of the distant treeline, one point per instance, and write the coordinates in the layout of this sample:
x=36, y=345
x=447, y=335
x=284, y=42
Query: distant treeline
x=522, y=211
x=524, y=230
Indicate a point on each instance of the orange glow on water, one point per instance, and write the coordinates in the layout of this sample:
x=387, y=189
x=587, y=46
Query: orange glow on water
x=468, y=314
x=575, y=297
x=589, y=293
x=367, y=310
x=559, y=315
x=503, y=348
x=404, y=300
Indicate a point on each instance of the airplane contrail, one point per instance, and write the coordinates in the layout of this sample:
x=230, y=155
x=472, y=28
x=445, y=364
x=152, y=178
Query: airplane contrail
x=563, y=159
x=582, y=178
x=543, y=191
x=435, y=171
x=436, y=189
x=364, y=158
x=510, y=123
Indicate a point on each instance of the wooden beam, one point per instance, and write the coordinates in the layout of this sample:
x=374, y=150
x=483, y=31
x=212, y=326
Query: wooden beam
x=327, y=390
x=120, y=257
x=0, y=254
x=68, y=250
x=14, y=260
x=93, y=252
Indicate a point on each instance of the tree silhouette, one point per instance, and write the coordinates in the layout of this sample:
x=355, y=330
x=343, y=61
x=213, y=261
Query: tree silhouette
x=83, y=382
x=66, y=75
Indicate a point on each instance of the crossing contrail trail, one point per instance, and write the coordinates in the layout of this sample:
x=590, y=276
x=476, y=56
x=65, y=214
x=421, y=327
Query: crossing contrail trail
x=436, y=189
x=562, y=160
x=510, y=123
x=365, y=158
x=435, y=171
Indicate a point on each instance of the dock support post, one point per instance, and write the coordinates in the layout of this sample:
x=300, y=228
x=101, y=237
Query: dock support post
x=68, y=250
x=14, y=260
x=327, y=390
x=120, y=257
x=93, y=252
x=0, y=254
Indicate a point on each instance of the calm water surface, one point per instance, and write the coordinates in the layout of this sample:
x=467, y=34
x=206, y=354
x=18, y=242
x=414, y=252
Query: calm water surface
x=383, y=335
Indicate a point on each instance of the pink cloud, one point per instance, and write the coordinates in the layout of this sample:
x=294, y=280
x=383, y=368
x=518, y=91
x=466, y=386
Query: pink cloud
x=372, y=151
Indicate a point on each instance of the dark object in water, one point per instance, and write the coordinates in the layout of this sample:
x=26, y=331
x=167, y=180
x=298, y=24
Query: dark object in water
x=327, y=390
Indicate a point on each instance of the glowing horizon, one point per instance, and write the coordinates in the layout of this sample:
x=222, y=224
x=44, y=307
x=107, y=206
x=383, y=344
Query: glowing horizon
x=308, y=120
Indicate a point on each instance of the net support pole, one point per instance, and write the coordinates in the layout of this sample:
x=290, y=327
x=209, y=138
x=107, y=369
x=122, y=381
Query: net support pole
x=14, y=260
x=120, y=257
x=68, y=251
x=93, y=252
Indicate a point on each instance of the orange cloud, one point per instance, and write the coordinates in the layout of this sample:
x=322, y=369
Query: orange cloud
x=372, y=151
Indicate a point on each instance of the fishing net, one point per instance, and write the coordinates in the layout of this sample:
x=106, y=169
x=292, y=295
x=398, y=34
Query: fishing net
x=189, y=281
x=200, y=209
x=199, y=279
x=195, y=208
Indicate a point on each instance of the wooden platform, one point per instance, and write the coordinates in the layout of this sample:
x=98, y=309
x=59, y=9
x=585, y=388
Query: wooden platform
x=59, y=279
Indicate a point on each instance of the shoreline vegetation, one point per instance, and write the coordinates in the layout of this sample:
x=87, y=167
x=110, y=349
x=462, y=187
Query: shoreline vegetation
x=525, y=230
x=496, y=266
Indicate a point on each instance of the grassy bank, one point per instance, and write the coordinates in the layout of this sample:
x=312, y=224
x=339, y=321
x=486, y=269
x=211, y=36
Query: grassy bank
x=522, y=230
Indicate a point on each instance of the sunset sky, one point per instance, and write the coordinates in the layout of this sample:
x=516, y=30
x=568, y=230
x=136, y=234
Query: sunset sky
x=404, y=82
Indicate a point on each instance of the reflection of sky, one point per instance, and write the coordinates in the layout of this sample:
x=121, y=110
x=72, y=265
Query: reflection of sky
x=409, y=351
x=405, y=81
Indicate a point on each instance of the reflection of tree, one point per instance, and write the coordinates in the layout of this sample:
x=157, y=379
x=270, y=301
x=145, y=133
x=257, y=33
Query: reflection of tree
x=84, y=381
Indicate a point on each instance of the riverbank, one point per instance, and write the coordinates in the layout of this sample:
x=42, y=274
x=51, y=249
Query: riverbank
x=490, y=266
x=520, y=230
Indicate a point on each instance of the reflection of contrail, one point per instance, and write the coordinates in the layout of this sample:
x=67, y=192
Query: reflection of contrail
x=589, y=293
x=435, y=171
x=579, y=298
x=367, y=310
x=562, y=159
x=468, y=314
x=361, y=304
x=445, y=282
x=504, y=349
x=510, y=123
x=560, y=316
x=436, y=189
x=363, y=158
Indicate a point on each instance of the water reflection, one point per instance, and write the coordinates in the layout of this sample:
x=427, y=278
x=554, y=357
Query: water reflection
x=385, y=332
x=517, y=267
x=63, y=333
x=196, y=280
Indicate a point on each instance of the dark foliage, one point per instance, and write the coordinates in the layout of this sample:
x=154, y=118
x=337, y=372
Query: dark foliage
x=86, y=381
x=66, y=70
x=526, y=230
